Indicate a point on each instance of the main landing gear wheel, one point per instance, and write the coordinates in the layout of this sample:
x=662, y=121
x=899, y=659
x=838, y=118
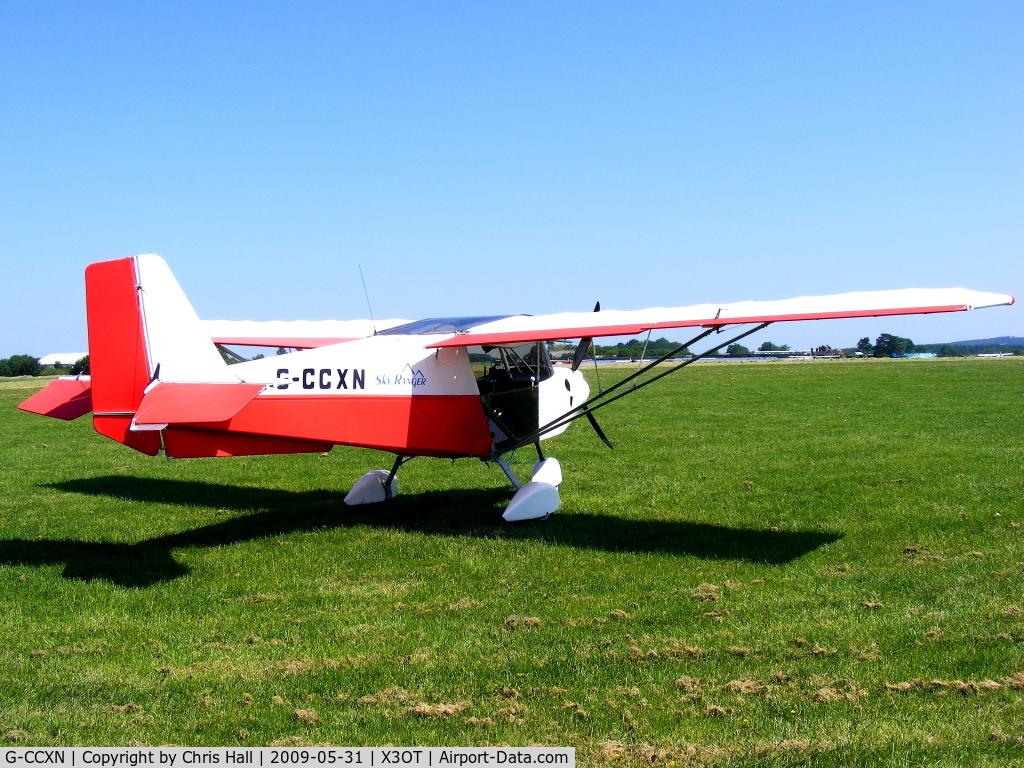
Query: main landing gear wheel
x=377, y=485
x=370, y=488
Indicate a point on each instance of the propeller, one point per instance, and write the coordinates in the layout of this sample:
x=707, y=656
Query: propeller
x=584, y=345
x=600, y=432
x=581, y=352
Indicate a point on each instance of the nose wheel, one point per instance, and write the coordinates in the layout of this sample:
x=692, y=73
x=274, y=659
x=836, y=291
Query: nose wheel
x=537, y=499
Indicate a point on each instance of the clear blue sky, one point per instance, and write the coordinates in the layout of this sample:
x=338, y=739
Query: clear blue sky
x=484, y=158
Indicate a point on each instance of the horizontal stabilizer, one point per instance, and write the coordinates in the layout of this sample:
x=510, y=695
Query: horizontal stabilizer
x=170, y=403
x=65, y=398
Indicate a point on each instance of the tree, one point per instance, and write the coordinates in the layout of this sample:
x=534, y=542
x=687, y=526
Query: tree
x=887, y=345
x=737, y=349
x=865, y=347
x=80, y=366
x=769, y=347
x=635, y=347
x=20, y=365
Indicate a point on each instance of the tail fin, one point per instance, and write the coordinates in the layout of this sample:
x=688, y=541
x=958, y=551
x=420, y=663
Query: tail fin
x=141, y=328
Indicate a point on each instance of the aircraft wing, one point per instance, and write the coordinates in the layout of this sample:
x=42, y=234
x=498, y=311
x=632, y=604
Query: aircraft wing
x=574, y=325
x=294, y=334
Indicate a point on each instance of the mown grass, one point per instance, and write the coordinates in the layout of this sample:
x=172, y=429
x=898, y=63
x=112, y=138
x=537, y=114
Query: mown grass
x=779, y=564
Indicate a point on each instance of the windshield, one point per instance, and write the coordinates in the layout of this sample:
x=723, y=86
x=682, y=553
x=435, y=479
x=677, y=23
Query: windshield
x=441, y=325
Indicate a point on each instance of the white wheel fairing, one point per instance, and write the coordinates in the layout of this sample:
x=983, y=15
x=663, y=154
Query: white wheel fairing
x=547, y=471
x=369, y=489
x=532, y=501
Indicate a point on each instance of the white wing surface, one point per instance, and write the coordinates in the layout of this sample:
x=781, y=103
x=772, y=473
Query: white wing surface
x=575, y=325
x=298, y=334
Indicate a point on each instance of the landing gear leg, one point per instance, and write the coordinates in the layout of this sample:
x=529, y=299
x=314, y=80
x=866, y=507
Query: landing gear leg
x=391, y=486
x=508, y=472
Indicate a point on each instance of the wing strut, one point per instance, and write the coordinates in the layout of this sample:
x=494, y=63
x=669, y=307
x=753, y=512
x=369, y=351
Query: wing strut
x=229, y=352
x=612, y=394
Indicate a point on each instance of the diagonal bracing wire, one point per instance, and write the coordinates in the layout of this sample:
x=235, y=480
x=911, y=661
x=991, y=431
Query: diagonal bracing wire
x=619, y=391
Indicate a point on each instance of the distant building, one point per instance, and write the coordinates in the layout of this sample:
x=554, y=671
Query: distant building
x=826, y=351
x=61, y=359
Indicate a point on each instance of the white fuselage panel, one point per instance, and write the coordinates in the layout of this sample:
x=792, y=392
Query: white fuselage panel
x=377, y=365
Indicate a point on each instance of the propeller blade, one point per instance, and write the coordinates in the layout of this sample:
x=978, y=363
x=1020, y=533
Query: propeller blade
x=581, y=352
x=597, y=428
x=583, y=346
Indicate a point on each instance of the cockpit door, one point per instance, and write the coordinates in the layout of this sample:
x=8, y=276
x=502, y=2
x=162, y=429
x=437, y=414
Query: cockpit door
x=522, y=391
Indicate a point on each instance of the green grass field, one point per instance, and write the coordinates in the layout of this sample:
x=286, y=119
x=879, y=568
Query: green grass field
x=779, y=564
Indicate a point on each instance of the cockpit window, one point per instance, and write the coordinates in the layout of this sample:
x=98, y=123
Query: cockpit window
x=441, y=325
x=523, y=364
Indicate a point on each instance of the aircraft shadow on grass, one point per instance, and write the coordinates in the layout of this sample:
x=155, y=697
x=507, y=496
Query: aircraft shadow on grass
x=471, y=512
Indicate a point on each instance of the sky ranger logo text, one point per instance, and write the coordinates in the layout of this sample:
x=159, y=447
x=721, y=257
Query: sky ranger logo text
x=408, y=377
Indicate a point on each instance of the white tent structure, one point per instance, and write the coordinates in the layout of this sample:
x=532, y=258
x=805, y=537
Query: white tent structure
x=62, y=358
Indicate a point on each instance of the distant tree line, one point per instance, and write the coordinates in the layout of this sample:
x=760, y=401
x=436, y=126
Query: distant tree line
x=634, y=348
x=959, y=350
x=20, y=365
x=887, y=345
x=767, y=346
x=26, y=365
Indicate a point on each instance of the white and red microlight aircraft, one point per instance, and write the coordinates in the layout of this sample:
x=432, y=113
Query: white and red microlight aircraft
x=445, y=387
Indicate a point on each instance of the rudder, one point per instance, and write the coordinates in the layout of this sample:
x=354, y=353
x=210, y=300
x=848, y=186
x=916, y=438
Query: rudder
x=141, y=328
x=118, y=362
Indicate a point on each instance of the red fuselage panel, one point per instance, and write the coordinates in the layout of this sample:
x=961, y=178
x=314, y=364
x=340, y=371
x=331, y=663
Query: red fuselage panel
x=416, y=425
x=194, y=443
